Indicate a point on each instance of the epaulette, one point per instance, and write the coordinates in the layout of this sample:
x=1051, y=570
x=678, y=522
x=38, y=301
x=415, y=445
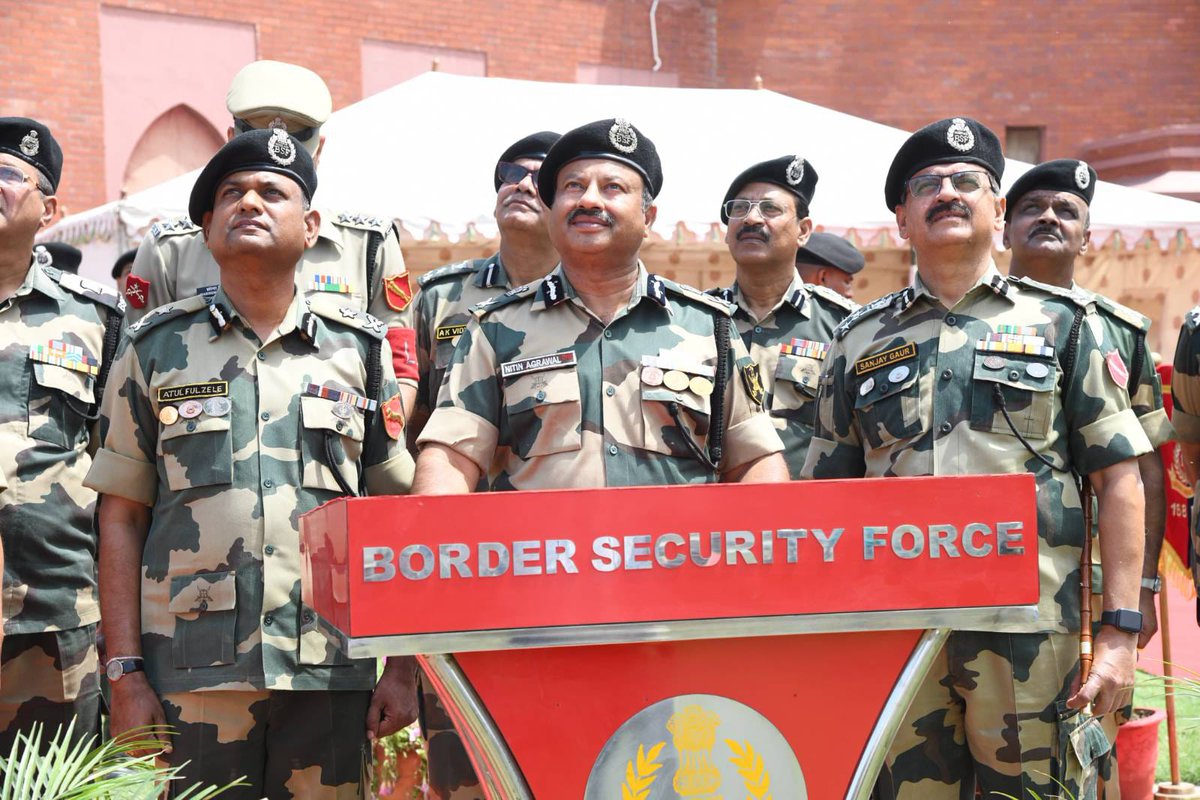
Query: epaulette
x=1192, y=319
x=825, y=293
x=85, y=288
x=365, y=222
x=724, y=293
x=514, y=294
x=1074, y=295
x=173, y=310
x=461, y=268
x=862, y=312
x=1125, y=314
x=692, y=293
x=173, y=227
x=353, y=318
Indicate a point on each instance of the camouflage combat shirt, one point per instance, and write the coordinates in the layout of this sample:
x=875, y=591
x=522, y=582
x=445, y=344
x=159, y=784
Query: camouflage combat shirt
x=174, y=259
x=227, y=479
x=789, y=346
x=52, y=331
x=911, y=388
x=541, y=394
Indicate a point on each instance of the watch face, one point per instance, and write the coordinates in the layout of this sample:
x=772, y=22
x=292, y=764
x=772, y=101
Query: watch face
x=114, y=670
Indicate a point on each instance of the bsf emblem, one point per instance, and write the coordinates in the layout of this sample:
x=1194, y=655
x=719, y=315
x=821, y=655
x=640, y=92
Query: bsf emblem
x=960, y=136
x=795, y=171
x=702, y=747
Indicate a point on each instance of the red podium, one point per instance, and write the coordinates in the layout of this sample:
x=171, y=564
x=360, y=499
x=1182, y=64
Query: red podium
x=695, y=641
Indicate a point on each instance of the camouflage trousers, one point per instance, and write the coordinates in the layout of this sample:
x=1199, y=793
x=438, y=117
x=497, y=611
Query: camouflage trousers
x=451, y=776
x=310, y=745
x=50, y=678
x=991, y=714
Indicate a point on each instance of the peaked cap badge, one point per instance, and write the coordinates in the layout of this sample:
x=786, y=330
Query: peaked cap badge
x=959, y=135
x=30, y=144
x=42, y=256
x=278, y=124
x=280, y=148
x=795, y=171
x=1082, y=176
x=622, y=136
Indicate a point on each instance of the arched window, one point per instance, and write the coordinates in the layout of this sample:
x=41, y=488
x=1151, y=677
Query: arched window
x=178, y=141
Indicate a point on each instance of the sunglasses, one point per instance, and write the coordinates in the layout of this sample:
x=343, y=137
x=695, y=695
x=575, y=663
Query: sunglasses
x=514, y=173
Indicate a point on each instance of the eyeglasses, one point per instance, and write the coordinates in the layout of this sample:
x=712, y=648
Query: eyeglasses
x=14, y=177
x=515, y=173
x=963, y=182
x=769, y=209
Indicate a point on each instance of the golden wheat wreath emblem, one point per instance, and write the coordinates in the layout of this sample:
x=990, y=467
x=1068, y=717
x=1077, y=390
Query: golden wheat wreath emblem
x=640, y=771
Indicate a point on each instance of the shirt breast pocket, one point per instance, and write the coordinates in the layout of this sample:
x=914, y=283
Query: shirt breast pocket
x=887, y=403
x=545, y=414
x=197, y=452
x=60, y=400
x=330, y=441
x=1023, y=385
x=205, y=610
x=796, y=379
x=661, y=433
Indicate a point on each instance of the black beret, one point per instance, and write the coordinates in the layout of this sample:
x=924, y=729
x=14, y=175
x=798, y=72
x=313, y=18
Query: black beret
x=125, y=258
x=827, y=250
x=946, y=141
x=32, y=142
x=1060, y=175
x=613, y=139
x=271, y=150
x=535, y=145
x=59, y=255
x=792, y=173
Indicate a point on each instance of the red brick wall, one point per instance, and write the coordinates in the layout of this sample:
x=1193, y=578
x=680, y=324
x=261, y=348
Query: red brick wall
x=1085, y=71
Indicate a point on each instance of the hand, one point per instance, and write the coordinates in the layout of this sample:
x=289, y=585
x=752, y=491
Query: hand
x=1110, y=684
x=135, y=705
x=394, y=701
x=1149, y=610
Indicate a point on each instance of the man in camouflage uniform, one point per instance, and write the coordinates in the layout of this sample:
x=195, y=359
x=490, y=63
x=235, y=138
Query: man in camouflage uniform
x=1185, y=393
x=442, y=305
x=231, y=420
x=1046, y=227
x=600, y=374
x=830, y=261
x=785, y=324
x=53, y=330
x=356, y=261
x=967, y=372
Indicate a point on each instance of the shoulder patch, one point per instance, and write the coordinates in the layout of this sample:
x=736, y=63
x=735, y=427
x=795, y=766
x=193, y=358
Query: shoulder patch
x=364, y=222
x=179, y=308
x=449, y=270
x=173, y=227
x=353, y=318
x=1074, y=295
x=712, y=301
x=1123, y=313
x=832, y=297
x=862, y=312
x=91, y=290
x=513, y=295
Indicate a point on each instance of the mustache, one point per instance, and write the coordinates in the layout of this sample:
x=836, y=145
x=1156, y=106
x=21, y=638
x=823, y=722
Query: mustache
x=757, y=231
x=950, y=205
x=521, y=196
x=1053, y=230
x=598, y=213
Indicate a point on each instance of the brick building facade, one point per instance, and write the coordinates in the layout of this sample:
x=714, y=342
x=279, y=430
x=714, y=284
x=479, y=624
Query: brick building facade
x=1049, y=78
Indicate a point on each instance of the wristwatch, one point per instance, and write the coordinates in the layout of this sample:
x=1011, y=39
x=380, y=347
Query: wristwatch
x=1123, y=619
x=120, y=666
x=1153, y=584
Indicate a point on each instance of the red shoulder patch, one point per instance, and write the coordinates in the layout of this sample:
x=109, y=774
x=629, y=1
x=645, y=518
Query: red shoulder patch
x=137, y=291
x=1117, y=369
x=398, y=291
x=393, y=417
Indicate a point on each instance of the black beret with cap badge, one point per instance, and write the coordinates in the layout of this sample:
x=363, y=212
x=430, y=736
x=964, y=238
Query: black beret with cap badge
x=612, y=139
x=947, y=141
x=270, y=150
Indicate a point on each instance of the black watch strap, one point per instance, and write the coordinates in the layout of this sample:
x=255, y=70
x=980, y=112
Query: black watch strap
x=1123, y=619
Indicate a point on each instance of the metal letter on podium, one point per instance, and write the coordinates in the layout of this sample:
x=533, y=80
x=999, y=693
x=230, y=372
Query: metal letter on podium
x=690, y=641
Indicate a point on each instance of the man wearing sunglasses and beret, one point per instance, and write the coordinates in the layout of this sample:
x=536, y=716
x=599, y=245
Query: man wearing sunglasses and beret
x=969, y=372
x=787, y=325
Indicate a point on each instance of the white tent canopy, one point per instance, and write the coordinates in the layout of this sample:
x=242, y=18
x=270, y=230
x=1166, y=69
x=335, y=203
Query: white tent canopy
x=423, y=152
